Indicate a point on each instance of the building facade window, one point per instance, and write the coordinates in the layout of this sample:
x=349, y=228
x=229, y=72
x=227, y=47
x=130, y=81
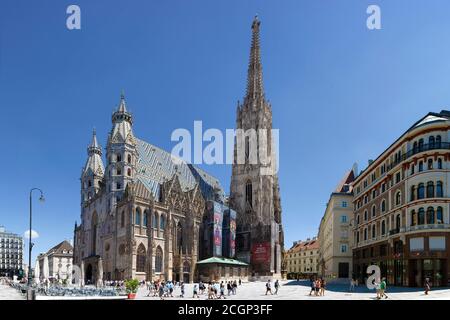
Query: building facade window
x=430, y=189
x=141, y=258
x=439, y=192
x=138, y=217
x=421, y=191
x=159, y=260
x=249, y=194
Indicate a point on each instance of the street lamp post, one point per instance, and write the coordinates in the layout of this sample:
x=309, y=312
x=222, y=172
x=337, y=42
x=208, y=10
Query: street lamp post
x=30, y=244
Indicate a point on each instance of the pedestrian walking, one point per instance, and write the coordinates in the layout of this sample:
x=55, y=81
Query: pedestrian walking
x=229, y=287
x=352, y=285
x=378, y=289
x=427, y=285
x=383, y=286
x=195, y=292
x=182, y=289
x=268, y=287
x=276, y=285
x=234, y=287
x=222, y=290
x=322, y=286
x=313, y=286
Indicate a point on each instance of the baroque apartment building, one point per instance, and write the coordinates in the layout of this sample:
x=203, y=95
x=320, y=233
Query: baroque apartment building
x=335, y=238
x=401, y=207
x=302, y=260
x=59, y=259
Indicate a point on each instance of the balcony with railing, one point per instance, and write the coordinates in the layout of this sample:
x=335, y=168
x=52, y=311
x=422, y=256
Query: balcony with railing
x=419, y=149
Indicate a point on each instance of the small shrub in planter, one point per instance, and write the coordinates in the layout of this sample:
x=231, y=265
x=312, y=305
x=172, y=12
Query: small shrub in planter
x=131, y=286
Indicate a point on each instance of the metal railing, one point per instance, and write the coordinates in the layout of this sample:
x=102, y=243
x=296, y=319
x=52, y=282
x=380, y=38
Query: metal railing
x=418, y=149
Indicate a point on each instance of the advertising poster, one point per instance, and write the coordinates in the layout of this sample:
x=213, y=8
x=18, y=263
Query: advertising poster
x=261, y=252
x=232, y=239
x=217, y=227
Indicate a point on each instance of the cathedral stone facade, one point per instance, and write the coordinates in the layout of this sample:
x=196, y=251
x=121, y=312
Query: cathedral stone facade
x=150, y=216
x=254, y=190
x=141, y=214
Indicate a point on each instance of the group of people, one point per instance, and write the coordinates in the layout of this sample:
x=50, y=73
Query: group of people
x=163, y=289
x=269, y=287
x=216, y=290
x=317, y=287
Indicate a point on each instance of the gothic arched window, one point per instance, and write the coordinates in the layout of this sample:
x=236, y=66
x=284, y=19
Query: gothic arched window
x=162, y=222
x=179, y=236
x=138, y=217
x=383, y=227
x=374, y=211
x=397, y=222
x=144, y=223
x=158, y=259
x=249, y=193
x=141, y=258
x=129, y=172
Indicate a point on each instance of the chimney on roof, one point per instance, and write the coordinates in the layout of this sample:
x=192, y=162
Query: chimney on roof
x=294, y=243
x=370, y=161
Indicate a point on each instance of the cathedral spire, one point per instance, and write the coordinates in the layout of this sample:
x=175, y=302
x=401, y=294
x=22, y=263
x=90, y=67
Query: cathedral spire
x=255, y=87
x=94, y=147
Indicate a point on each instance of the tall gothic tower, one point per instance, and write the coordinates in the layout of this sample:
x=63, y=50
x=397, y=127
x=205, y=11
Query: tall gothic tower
x=254, y=190
x=121, y=154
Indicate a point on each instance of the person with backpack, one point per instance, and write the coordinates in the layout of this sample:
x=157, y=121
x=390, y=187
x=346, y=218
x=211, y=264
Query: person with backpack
x=268, y=287
x=383, y=289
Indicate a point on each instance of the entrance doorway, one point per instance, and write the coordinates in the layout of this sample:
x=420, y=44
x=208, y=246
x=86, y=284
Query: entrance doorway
x=343, y=270
x=88, y=278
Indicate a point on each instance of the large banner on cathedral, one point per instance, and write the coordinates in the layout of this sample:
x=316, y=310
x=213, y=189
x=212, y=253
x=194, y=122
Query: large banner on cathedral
x=232, y=234
x=217, y=227
x=261, y=253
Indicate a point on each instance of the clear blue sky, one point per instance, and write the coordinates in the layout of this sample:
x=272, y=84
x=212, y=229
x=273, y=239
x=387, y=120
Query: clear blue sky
x=340, y=93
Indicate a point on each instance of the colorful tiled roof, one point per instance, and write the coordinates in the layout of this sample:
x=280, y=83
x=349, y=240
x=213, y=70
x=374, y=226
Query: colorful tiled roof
x=155, y=166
